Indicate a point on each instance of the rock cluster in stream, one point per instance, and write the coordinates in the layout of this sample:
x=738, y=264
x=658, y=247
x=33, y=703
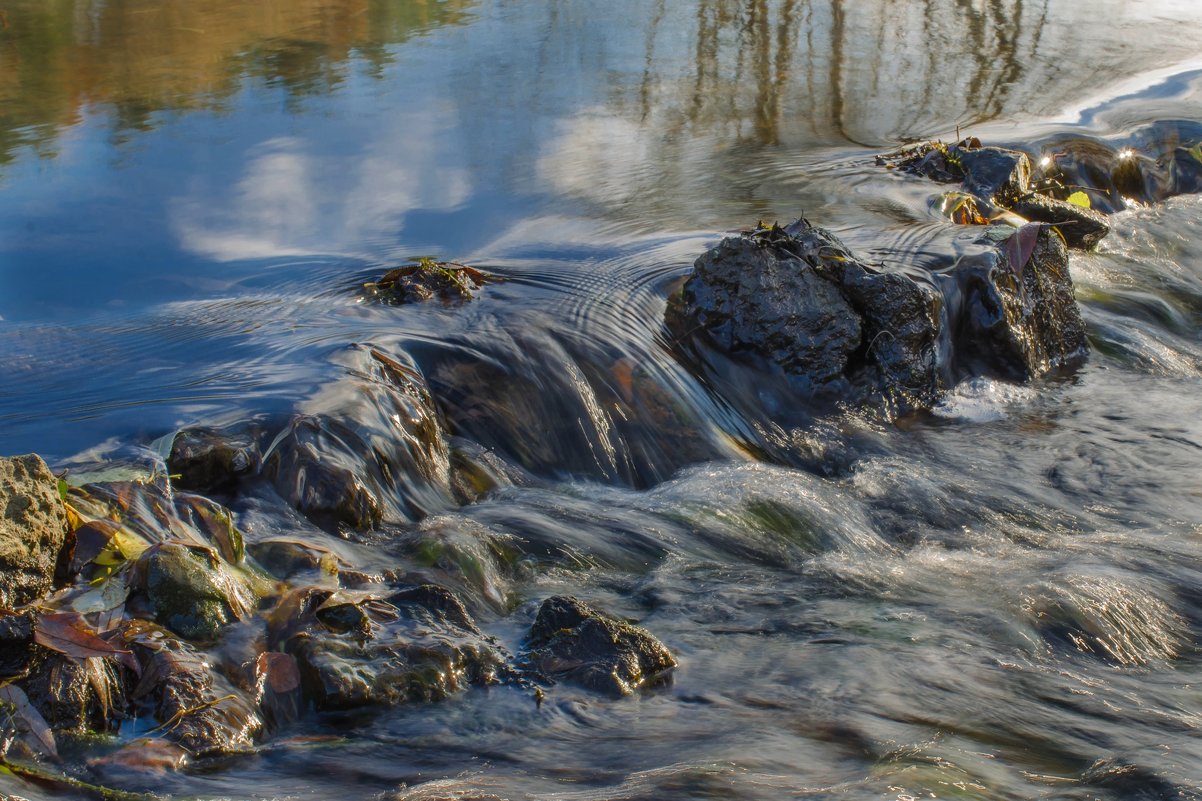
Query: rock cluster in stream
x=796, y=301
x=142, y=605
x=139, y=603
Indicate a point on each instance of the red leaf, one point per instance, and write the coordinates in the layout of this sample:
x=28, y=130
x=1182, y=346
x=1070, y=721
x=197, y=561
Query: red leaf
x=68, y=633
x=1020, y=246
x=280, y=670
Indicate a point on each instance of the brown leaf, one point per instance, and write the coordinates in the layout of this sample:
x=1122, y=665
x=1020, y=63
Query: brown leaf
x=68, y=633
x=90, y=540
x=1020, y=246
x=39, y=729
x=279, y=670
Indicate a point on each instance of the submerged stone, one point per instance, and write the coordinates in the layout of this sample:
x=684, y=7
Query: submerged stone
x=191, y=591
x=357, y=650
x=571, y=641
x=195, y=706
x=210, y=459
x=33, y=528
x=375, y=453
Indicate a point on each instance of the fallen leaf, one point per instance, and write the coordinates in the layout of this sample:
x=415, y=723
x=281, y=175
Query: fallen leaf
x=1079, y=199
x=68, y=633
x=279, y=670
x=39, y=729
x=1020, y=246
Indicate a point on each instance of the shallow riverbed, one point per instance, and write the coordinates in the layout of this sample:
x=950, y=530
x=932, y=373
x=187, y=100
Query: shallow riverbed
x=1000, y=600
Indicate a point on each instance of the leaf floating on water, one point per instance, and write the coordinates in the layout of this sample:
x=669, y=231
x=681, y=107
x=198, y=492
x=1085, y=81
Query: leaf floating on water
x=1020, y=246
x=39, y=729
x=1079, y=199
x=69, y=633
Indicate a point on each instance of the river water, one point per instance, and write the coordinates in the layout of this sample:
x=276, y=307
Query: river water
x=1001, y=600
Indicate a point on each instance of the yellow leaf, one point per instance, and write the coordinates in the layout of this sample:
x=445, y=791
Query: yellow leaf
x=1196, y=151
x=1079, y=199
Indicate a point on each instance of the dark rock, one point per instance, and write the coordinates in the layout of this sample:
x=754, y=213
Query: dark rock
x=425, y=280
x=854, y=327
x=1018, y=322
x=33, y=528
x=1082, y=228
x=574, y=642
x=16, y=644
x=986, y=316
x=212, y=460
x=378, y=455
x=195, y=707
x=285, y=559
x=357, y=650
x=994, y=174
x=757, y=293
x=74, y=695
x=191, y=591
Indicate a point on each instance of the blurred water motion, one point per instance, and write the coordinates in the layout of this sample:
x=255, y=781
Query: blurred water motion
x=997, y=602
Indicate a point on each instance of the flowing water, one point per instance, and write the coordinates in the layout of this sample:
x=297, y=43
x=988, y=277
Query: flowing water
x=1001, y=600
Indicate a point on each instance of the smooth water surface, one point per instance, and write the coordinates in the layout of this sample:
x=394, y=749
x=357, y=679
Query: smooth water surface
x=1002, y=600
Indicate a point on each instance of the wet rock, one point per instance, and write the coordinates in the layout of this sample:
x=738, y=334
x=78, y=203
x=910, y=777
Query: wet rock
x=195, y=706
x=75, y=695
x=33, y=528
x=994, y=174
x=1017, y=322
x=426, y=280
x=375, y=451
x=913, y=338
x=212, y=460
x=285, y=559
x=761, y=294
x=16, y=644
x=191, y=591
x=573, y=642
x=1082, y=228
x=358, y=649
x=799, y=301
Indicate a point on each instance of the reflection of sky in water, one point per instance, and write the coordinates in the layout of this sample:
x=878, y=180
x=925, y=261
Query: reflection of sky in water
x=520, y=129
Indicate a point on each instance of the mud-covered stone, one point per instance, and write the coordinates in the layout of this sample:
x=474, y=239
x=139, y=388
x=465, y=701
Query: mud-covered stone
x=1081, y=227
x=571, y=641
x=212, y=460
x=191, y=591
x=372, y=451
x=356, y=649
x=33, y=528
x=1018, y=322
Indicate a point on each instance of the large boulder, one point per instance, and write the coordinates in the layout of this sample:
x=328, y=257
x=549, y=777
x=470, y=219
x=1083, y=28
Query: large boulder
x=571, y=641
x=797, y=302
x=33, y=528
